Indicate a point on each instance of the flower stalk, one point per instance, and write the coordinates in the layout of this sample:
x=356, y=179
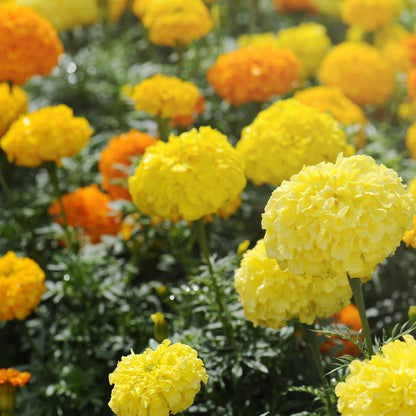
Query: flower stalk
x=163, y=128
x=7, y=399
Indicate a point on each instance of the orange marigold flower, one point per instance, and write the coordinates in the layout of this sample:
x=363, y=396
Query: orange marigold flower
x=295, y=5
x=410, y=43
x=254, y=73
x=411, y=84
x=360, y=71
x=13, y=102
x=14, y=377
x=21, y=286
x=88, y=208
x=116, y=159
x=29, y=44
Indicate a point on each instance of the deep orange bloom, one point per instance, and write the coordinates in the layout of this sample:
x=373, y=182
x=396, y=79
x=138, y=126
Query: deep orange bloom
x=254, y=73
x=348, y=316
x=29, y=44
x=88, y=208
x=410, y=43
x=411, y=84
x=116, y=158
x=295, y=5
x=14, y=377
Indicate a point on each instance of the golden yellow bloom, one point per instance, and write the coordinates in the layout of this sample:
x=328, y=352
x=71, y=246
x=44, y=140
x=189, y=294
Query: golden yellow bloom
x=164, y=96
x=13, y=102
x=409, y=237
x=65, y=14
x=29, y=44
x=382, y=385
x=115, y=9
x=337, y=218
x=271, y=296
x=48, y=134
x=172, y=22
x=411, y=140
x=360, y=71
x=161, y=330
x=334, y=101
x=285, y=137
x=139, y=7
x=191, y=175
x=157, y=382
x=243, y=246
x=254, y=73
x=21, y=286
x=370, y=14
x=309, y=42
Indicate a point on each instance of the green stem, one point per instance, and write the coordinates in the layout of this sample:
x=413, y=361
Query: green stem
x=312, y=343
x=201, y=236
x=163, y=128
x=357, y=291
x=52, y=170
x=180, y=50
x=6, y=189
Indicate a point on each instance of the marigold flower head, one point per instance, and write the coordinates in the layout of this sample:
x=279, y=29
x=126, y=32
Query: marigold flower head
x=13, y=102
x=334, y=101
x=287, y=6
x=139, y=7
x=309, y=42
x=164, y=96
x=14, y=377
x=117, y=158
x=192, y=175
x=115, y=9
x=29, y=44
x=271, y=296
x=88, y=208
x=409, y=237
x=189, y=119
x=383, y=384
x=65, y=14
x=411, y=140
x=172, y=22
x=48, y=134
x=370, y=14
x=21, y=286
x=409, y=42
x=360, y=71
x=337, y=218
x=254, y=73
x=158, y=381
x=285, y=137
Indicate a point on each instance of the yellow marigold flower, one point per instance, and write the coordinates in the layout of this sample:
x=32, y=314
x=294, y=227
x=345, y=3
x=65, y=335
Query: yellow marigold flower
x=409, y=237
x=164, y=96
x=48, y=134
x=115, y=9
x=176, y=21
x=382, y=385
x=21, y=286
x=139, y=7
x=29, y=44
x=157, y=382
x=407, y=110
x=191, y=175
x=370, y=14
x=287, y=6
x=411, y=140
x=88, y=208
x=13, y=102
x=360, y=71
x=254, y=73
x=334, y=101
x=309, y=42
x=161, y=330
x=65, y=14
x=337, y=218
x=117, y=158
x=271, y=296
x=285, y=137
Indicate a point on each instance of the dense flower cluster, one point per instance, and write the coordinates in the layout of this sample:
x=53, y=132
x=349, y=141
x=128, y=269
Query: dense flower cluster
x=191, y=175
x=14, y=377
x=29, y=44
x=13, y=102
x=116, y=159
x=295, y=5
x=359, y=71
x=254, y=73
x=370, y=14
x=411, y=140
x=334, y=101
x=383, y=385
x=285, y=137
x=48, y=134
x=337, y=218
x=309, y=42
x=172, y=22
x=157, y=382
x=88, y=208
x=271, y=296
x=164, y=96
x=65, y=14
x=21, y=286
